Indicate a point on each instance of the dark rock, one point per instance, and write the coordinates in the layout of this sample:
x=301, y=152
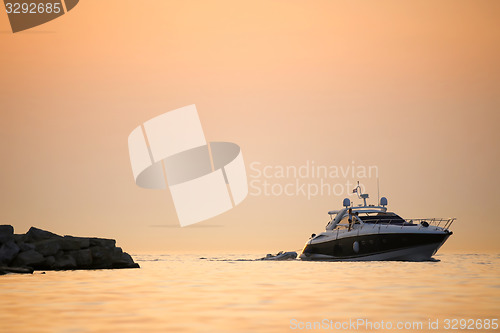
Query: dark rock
x=103, y=242
x=125, y=261
x=64, y=261
x=102, y=257
x=83, y=258
x=18, y=270
x=35, y=234
x=8, y=252
x=29, y=258
x=69, y=243
x=49, y=262
x=20, y=238
x=75, y=243
x=6, y=233
x=117, y=253
x=48, y=247
x=25, y=246
x=43, y=250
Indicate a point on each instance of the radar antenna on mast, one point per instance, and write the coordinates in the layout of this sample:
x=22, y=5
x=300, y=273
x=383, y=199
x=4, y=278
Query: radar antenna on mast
x=360, y=194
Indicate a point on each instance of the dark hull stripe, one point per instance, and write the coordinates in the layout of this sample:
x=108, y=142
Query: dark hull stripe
x=345, y=248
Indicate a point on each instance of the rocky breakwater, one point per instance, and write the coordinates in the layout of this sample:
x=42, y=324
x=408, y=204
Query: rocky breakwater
x=43, y=250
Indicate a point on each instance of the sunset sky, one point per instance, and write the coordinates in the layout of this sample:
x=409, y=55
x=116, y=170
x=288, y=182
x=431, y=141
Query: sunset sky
x=410, y=87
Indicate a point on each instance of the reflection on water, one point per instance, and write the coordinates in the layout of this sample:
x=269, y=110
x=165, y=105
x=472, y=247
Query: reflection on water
x=183, y=293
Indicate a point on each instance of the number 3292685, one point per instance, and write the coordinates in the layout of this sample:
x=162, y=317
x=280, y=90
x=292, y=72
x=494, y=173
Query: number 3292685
x=33, y=8
x=470, y=324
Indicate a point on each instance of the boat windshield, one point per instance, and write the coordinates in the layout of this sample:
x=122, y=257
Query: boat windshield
x=383, y=218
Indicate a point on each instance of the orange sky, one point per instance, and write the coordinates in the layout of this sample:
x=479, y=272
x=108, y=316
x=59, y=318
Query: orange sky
x=412, y=87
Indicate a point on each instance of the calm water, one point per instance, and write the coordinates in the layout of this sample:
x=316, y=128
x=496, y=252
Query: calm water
x=183, y=293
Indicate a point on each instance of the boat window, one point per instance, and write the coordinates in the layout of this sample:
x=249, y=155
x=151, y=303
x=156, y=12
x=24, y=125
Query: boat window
x=344, y=223
x=383, y=219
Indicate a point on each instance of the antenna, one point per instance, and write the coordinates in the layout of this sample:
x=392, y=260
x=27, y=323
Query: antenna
x=378, y=190
x=360, y=193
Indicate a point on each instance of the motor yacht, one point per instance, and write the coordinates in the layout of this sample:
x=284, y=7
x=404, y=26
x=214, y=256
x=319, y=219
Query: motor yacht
x=369, y=232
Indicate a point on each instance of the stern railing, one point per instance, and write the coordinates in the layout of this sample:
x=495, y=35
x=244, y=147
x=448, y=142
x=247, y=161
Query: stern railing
x=444, y=223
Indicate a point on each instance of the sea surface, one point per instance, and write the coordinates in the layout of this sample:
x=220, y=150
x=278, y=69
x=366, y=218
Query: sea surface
x=231, y=293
